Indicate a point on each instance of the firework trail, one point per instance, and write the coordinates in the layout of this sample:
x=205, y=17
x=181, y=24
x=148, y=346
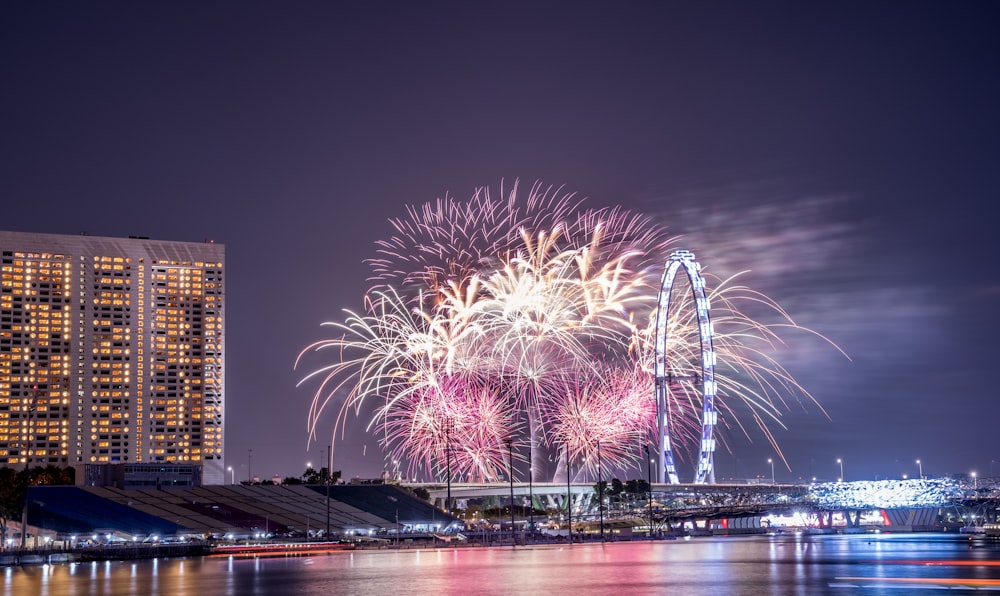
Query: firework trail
x=494, y=320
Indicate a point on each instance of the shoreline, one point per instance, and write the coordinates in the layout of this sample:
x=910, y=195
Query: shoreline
x=131, y=552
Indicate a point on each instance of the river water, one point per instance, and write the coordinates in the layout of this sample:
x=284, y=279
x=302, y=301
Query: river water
x=781, y=564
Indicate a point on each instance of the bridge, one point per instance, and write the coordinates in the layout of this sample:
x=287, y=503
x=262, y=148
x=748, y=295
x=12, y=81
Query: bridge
x=914, y=504
x=553, y=495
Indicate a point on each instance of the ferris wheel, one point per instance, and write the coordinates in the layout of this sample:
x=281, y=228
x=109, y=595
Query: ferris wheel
x=696, y=375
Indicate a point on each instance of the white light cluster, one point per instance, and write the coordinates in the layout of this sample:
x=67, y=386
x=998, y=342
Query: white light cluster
x=885, y=494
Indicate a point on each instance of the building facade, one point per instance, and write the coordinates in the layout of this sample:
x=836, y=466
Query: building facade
x=112, y=350
x=135, y=476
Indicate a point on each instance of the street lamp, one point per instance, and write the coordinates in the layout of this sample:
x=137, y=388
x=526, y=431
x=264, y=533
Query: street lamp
x=531, y=493
x=232, y=475
x=841, y=462
x=329, y=473
x=510, y=472
x=771, y=461
x=600, y=490
x=569, y=497
x=975, y=482
x=447, y=447
x=649, y=489
x=920, y=467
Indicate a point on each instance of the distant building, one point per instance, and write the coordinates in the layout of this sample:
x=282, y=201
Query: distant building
x=111, y=351
x=132, y=476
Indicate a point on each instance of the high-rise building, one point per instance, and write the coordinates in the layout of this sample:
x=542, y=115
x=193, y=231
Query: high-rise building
x=112, y=350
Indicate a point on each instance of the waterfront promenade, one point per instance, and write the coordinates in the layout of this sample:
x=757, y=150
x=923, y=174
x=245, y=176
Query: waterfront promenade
x=80, y=554
x=88, y=523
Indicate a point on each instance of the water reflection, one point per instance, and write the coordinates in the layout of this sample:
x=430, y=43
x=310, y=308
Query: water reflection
x=790, y=564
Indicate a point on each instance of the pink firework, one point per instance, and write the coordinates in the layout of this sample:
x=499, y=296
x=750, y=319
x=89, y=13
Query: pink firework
x=450, y=240
x=458, y=427
x=493, y=321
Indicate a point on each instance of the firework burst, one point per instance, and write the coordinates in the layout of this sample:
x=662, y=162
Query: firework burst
x=496, y=320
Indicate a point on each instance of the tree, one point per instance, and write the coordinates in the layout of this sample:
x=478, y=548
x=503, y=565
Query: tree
x=321, y=477
x=52, y=475
x=312, y=476
x=11, y=498
x=12, y=489
x=637, y=487
x=601, y=488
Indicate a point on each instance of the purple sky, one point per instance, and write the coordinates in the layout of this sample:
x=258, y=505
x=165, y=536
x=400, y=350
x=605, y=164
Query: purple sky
x=846, y=153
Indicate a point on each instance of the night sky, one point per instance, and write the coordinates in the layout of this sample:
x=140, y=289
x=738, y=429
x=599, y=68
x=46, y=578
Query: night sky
x=845, y=152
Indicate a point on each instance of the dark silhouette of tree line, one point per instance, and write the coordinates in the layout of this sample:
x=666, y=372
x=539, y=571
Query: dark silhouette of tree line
x=13, y=485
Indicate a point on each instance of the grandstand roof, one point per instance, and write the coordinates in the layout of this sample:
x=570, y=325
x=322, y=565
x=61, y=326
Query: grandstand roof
x=219, y=510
